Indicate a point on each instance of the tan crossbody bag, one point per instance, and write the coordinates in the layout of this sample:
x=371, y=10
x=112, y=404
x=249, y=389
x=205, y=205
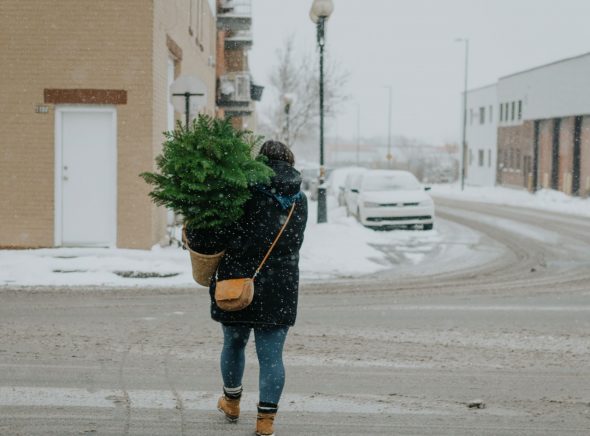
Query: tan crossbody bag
x=236, y=294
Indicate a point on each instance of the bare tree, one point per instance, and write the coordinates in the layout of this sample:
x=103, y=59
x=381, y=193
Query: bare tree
x=298, y=75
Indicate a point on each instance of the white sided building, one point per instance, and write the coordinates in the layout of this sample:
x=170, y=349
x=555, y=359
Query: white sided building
x=481, y=136
x=544, y=127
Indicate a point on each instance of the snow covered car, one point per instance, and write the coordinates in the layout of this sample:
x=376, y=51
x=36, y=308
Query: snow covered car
x=393, y=198
x=337, y=182
x=351, y=192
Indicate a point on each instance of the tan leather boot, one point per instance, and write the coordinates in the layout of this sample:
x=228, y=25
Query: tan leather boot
x=264, y=424
x=229, y=407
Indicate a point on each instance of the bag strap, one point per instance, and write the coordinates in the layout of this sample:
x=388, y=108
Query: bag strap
x=274, y=242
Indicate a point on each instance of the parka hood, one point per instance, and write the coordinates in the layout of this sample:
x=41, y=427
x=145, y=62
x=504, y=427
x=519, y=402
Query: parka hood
x=286, y=181
x=285, y=185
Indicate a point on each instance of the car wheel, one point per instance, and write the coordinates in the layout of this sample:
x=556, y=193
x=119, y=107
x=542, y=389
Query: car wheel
x=358, y=214
x=428, y=226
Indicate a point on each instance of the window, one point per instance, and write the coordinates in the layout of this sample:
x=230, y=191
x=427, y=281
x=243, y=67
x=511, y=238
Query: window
x=489, y=158
x=501, y=112
x=517, y=166
x=513, y=110
x=507, y=112
x=520, y=109
x=470, y=157
x=506, y=159
x=490, y=109
x=480, y=157
x=482, y=115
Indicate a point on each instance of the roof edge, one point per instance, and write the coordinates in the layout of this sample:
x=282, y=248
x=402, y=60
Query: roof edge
x=479, y=88
x=546, y=65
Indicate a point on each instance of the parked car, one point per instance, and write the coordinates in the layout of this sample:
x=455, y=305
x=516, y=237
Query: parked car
x=309, y=174
x=351, y=191
x=314, y=182
x=386, y=198
x=337, y=180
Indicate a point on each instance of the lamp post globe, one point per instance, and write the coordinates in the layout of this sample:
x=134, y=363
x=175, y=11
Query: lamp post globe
x=288, y=98
x=321, y=8
x=313, y=17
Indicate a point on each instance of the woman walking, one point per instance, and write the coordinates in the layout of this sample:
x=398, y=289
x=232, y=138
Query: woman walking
x=274, y=307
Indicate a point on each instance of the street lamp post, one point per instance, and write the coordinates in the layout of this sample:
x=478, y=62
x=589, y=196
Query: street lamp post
x=358, y=133
x=187, y=99
x=464, y=134
x=319, y=14
x=288, y=101
x=389, y=155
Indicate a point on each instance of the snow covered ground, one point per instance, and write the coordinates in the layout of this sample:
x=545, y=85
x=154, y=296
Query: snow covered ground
x=340, y=248
x=545, y=199
x=344, y=248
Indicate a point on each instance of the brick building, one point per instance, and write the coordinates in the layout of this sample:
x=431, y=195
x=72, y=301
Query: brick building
x=236, y=91
x=84, y=99
x=544, y=127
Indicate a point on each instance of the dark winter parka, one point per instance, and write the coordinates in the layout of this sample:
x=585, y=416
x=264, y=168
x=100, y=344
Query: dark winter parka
x=276, y=286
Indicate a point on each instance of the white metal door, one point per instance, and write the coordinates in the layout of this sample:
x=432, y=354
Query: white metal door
x=86, y=177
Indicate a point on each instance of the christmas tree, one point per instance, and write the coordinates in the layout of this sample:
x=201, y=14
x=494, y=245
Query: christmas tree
x=205, y=172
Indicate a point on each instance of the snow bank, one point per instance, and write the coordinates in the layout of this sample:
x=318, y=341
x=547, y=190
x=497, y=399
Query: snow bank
x=340, y=248
x=544, y=199
x=94, y=267
x=344, y=248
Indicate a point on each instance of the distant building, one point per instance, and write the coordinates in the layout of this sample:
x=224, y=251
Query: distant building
x=481, y=136
x=236, y=90
x=538, y=120
x=544, y=127
x=338, y=155
x=84, y=99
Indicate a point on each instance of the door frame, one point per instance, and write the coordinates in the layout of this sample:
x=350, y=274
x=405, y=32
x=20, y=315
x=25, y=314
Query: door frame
x=58, y=147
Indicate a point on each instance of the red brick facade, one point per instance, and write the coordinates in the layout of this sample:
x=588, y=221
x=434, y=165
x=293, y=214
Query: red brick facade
x=555, y=161
x=566, y=154
x=585, y=158
x=85, y=96
x=545, y=153
x=515, y=155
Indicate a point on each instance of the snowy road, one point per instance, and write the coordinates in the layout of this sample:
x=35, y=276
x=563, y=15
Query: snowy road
x=399, y=352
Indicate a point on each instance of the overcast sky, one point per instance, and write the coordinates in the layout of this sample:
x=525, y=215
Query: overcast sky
x=409, y=44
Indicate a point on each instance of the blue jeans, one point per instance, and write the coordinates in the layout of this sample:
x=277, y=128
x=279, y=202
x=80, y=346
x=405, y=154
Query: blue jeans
x=269, y=348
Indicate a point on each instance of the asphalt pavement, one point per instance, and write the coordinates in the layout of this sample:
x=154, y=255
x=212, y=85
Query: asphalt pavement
x=496, y=343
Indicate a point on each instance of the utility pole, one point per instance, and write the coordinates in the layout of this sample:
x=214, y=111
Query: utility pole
x=358, y=133
x=389, y=155
x=464, y=139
